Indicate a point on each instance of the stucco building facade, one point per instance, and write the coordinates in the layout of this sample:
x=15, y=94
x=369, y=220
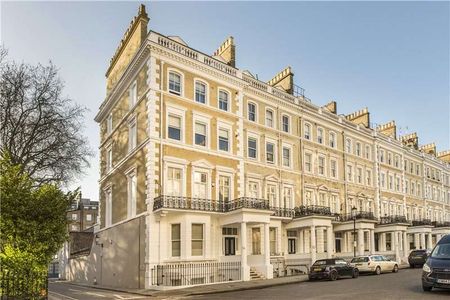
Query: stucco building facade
x=209, y=174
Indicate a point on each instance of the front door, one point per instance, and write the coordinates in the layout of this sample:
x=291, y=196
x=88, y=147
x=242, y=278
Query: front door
x=230, y=246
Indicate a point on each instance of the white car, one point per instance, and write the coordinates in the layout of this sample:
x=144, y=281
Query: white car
x=374, y=264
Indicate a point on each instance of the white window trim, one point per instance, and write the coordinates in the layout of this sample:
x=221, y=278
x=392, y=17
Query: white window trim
x=196, y=79
x=228, y=174
x=323, y=135
x=228, y=127
x=256, y=111
x=108, y=160
x=208, y=183
x=109, y=124
x=169, y=70
x=229, y=98
x=258, y=154
x=177, y=164
x=335, y=139
x=324, y=164
x=255, y=180
x=289, y=186
x=304, y=130
x=205, y=120
x=291, y=154
x=275, y=152
x=274, y=118
x=289, y=123
x=181, y=112
x=337, y=167
x=311, y=162
x=349, y=151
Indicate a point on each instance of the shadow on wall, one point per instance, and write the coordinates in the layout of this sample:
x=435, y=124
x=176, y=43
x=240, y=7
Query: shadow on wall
x=116, y=258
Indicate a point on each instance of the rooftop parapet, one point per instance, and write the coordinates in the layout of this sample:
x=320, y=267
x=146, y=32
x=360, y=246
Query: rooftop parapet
x=284, y=80
x=410, y=140
x=227, y=51
x=388, y=129
x=360, y=117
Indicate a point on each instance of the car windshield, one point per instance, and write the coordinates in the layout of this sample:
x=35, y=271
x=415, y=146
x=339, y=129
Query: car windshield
x=441, y=251
x=360, y=259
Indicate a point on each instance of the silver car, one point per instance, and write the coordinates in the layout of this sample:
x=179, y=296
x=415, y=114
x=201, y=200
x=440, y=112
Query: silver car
x=376, y=264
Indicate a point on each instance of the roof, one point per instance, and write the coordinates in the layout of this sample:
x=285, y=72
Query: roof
x=445, y=239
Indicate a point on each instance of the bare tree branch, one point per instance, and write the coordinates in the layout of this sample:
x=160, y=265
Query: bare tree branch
x=40, y=128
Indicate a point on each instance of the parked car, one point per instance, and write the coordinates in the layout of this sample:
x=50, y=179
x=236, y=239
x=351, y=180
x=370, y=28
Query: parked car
x=417, y=257
x=332, y=269
x=376, y=264
x=436, y=270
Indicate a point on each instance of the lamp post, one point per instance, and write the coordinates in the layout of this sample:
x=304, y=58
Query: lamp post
x=354, y=209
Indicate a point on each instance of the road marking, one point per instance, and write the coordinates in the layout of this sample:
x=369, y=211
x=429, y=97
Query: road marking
x=74, y=290
x=61, y=295
x=95, y=294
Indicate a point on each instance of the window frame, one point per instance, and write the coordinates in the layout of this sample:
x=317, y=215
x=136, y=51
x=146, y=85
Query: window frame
x=255, y=112
x=201, y=81
x=133, y=95
x=132, y=134
x=309, y=126
x=288, y=124
x=332, y=142
x=131, y=191
x=274, y=154
x=273, y=117
x=202, y=239
x=256, y=138
x=179, y=73
x=228, y=93
x=178, y=112
x=320, y=137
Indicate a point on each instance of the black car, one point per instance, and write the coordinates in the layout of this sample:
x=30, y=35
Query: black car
x=417, y=257
x=436, y=270
x=332, y=269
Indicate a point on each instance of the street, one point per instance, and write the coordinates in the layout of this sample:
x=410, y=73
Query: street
x=404, y=285
x=66, y=291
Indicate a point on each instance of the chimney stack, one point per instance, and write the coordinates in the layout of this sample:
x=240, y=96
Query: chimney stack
x=388, y=129
x=227, y=51
x=360, y=117
x=284, y=80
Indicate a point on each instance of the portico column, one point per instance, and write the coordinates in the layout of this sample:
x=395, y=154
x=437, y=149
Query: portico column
x=405, y=244
x=320, y=240
x=372, y=241
x=313, y=244
x=268, y=266
x=416, y=241
x=430, y=240
x=360, y=246
x=245, y=269
x=330, y=241
x=383, y=242
x=396, y=246
x=301, y=242
x=422, y=241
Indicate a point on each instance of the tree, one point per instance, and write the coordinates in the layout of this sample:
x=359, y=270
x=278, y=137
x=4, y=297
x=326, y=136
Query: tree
x=40, y=128
x=33, y=219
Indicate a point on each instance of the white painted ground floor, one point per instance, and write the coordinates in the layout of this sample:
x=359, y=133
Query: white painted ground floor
x=175, y=247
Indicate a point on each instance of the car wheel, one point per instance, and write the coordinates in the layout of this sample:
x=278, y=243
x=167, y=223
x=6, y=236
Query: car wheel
x=333, y=275
x=426, y=288
x=378, y=271
x=395, y=270
x=355, y=273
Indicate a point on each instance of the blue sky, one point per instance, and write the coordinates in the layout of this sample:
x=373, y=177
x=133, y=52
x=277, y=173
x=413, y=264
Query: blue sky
x=392, y=57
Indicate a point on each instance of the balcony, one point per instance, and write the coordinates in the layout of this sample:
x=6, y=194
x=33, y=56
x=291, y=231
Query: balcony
x=360, y=215
x=421, y=222
x=283, y=212
x=304, y=211
x=247, y=202
x=441, y=224
x=199, y=204
x=393, y=220
x=188, y=203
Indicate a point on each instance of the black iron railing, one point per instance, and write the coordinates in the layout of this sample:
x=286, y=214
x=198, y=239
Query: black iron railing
x=283, y=212
x=421, y=222
x=23, y=285
x=393, y=219
x=441, y=224
x=178, y=202
x=367, y=215
x=183, y=274
x=247, y=202
x=303, y=211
